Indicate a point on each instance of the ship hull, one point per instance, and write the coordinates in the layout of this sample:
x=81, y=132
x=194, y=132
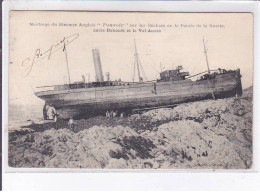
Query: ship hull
x=87, y=102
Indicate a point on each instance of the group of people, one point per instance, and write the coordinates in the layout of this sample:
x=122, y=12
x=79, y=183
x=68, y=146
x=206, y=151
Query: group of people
x=220, y=71
x=114, y=114
x=206, y=76
x=50, y=113
x=117, y=83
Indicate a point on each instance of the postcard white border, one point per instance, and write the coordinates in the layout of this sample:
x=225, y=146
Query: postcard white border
x=27, y=178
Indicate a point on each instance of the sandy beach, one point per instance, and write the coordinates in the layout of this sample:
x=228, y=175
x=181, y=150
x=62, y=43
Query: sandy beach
x=205, y=134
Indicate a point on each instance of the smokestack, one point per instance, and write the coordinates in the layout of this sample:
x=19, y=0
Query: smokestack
x=98, y=67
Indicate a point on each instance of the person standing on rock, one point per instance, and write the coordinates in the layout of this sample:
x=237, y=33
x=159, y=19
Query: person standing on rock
x=51, y=113
x=71, y=124
x=114, y=114
x=83, y=78
x=107, y=114
x=111, y=114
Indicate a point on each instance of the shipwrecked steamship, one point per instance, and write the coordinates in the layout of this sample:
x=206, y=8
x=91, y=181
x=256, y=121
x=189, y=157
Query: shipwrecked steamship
x=81, y=99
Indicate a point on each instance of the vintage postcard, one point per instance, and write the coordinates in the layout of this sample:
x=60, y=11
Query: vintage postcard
x=130, y=90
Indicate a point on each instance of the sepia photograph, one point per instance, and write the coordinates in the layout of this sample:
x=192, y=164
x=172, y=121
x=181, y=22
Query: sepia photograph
x=130, y=90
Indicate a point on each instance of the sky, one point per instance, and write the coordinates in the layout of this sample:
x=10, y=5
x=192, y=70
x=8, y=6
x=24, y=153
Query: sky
x=178, y=40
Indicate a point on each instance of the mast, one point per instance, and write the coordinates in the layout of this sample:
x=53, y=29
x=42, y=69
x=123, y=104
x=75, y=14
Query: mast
x=205, y=52
x=65, y=51
x=137, y=62
x=210, y=87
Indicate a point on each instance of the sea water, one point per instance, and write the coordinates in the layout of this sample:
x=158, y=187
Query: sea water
x=23, y=115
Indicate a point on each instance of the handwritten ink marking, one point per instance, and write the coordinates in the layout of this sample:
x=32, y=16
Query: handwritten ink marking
x=28, y=64
x=50, y=52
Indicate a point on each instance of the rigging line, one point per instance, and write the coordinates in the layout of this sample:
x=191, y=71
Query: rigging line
x=151, y=68
x=157, y=71
x=137, y=61
x=134, y=72
x=32, y=88
x=142, y=69
x=65, y=51
x=200, y=73
x=137, y=65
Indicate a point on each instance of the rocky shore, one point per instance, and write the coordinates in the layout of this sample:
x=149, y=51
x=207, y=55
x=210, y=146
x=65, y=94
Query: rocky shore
x=198, y=135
